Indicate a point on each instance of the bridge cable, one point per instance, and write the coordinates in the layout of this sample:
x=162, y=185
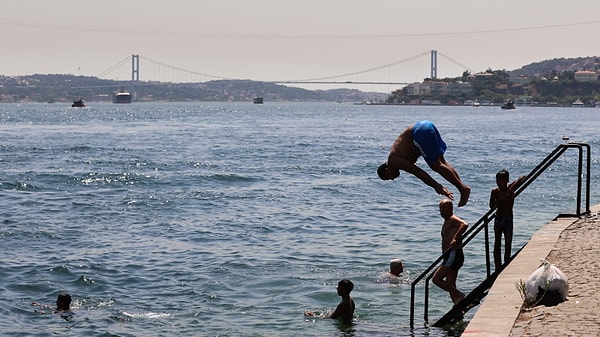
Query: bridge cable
x=181, y=69
x=114, y=67
x=455, y=62
x=358, y=72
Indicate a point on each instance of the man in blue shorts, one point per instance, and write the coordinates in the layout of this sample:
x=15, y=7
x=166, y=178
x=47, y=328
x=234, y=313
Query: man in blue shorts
x=423, y=139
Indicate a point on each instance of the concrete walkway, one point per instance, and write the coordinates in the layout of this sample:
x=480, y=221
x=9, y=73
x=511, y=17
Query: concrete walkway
x=573, y=245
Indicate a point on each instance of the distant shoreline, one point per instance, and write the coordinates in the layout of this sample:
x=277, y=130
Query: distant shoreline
x=480, y=106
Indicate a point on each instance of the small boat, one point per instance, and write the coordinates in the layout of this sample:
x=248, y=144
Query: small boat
x=508, y=105
x=122, y=97
x=258, y=100
x=577, y=103
x=78, y=104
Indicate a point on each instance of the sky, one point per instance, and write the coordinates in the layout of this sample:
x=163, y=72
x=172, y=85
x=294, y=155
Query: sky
x=275, y=40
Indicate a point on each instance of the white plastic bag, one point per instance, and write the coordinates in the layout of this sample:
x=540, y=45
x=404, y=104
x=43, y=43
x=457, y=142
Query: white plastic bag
x=547, y=278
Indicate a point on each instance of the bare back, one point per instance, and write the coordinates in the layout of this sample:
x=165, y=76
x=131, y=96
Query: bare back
x=344, y=310
x=403, y=149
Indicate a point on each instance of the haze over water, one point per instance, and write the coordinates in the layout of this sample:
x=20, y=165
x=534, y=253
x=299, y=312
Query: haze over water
x=232, y=219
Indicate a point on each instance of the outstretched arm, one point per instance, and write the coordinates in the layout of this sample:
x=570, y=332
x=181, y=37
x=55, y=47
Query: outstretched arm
x=426, y=178
x=513, y=186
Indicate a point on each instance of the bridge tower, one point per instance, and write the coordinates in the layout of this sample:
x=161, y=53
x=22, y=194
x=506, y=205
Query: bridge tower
x=433, y=64
x=135, y=74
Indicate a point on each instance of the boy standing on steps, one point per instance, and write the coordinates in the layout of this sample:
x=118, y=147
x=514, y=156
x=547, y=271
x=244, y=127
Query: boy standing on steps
x=503, y=196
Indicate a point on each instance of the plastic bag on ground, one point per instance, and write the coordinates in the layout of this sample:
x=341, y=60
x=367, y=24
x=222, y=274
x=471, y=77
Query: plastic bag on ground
x=547, y=282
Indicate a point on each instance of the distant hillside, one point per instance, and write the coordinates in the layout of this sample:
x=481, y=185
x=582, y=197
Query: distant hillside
x=66, y=88
x=558, y=65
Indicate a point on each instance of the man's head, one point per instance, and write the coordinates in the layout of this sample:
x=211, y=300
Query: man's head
x=446, y=208
x=396, y=267
x=385, y=173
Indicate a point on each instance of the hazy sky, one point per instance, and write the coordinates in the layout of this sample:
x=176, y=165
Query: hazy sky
x=289, y=40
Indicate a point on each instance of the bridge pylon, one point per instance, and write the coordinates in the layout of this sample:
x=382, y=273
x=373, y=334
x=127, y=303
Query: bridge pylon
x=135, y=74
x=433, y=64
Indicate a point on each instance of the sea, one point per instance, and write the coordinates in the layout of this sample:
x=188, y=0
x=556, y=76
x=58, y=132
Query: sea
x=233, y=219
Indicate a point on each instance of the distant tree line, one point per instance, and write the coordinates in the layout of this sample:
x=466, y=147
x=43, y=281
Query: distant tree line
x=67, y=88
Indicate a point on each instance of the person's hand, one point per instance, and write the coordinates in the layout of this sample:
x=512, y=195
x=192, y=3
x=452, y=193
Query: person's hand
x=308, y=313
x=455, y=245
x=444, y=191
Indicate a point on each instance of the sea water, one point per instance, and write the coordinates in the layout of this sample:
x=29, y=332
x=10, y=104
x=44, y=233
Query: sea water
x=232, y=219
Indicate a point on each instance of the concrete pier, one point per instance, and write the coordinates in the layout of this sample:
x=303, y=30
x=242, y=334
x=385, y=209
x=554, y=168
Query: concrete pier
x=573, y=245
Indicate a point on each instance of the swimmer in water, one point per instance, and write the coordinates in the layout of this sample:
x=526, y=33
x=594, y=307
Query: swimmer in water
x=393, y=275
x=344, y=310
x=63, y=306
x=396, y=267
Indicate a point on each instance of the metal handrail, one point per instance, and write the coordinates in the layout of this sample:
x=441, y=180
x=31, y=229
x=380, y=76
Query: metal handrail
x=483, y=222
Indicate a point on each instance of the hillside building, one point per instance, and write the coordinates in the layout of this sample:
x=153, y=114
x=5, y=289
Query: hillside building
x=586, y=76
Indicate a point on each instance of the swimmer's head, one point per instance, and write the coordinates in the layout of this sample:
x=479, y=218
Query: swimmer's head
x=396, y=267
x=63, y=302
x=345, y=286
x=384, y=172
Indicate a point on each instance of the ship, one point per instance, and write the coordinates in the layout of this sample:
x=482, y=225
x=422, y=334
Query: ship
x=122, y=97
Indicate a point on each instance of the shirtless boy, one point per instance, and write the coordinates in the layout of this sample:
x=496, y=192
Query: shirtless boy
x=452, y=231
x=345, y=309
x=423, y=139
x=503, y=196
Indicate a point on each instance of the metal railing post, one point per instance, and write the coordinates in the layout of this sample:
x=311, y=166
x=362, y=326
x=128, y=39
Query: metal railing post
x=487, y=247
x=579, y=177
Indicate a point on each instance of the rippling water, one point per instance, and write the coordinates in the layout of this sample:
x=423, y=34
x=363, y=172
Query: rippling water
x=232, y=219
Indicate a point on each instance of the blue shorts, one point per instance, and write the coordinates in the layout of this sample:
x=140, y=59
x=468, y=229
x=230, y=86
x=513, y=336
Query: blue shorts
x=505, y=224
x=427, y=139
x=454, y=259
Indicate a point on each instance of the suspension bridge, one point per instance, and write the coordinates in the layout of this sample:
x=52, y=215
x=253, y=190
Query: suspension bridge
x=406, y=71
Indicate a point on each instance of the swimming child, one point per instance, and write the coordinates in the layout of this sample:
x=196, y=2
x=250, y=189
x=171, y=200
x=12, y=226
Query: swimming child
x=344, y=310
